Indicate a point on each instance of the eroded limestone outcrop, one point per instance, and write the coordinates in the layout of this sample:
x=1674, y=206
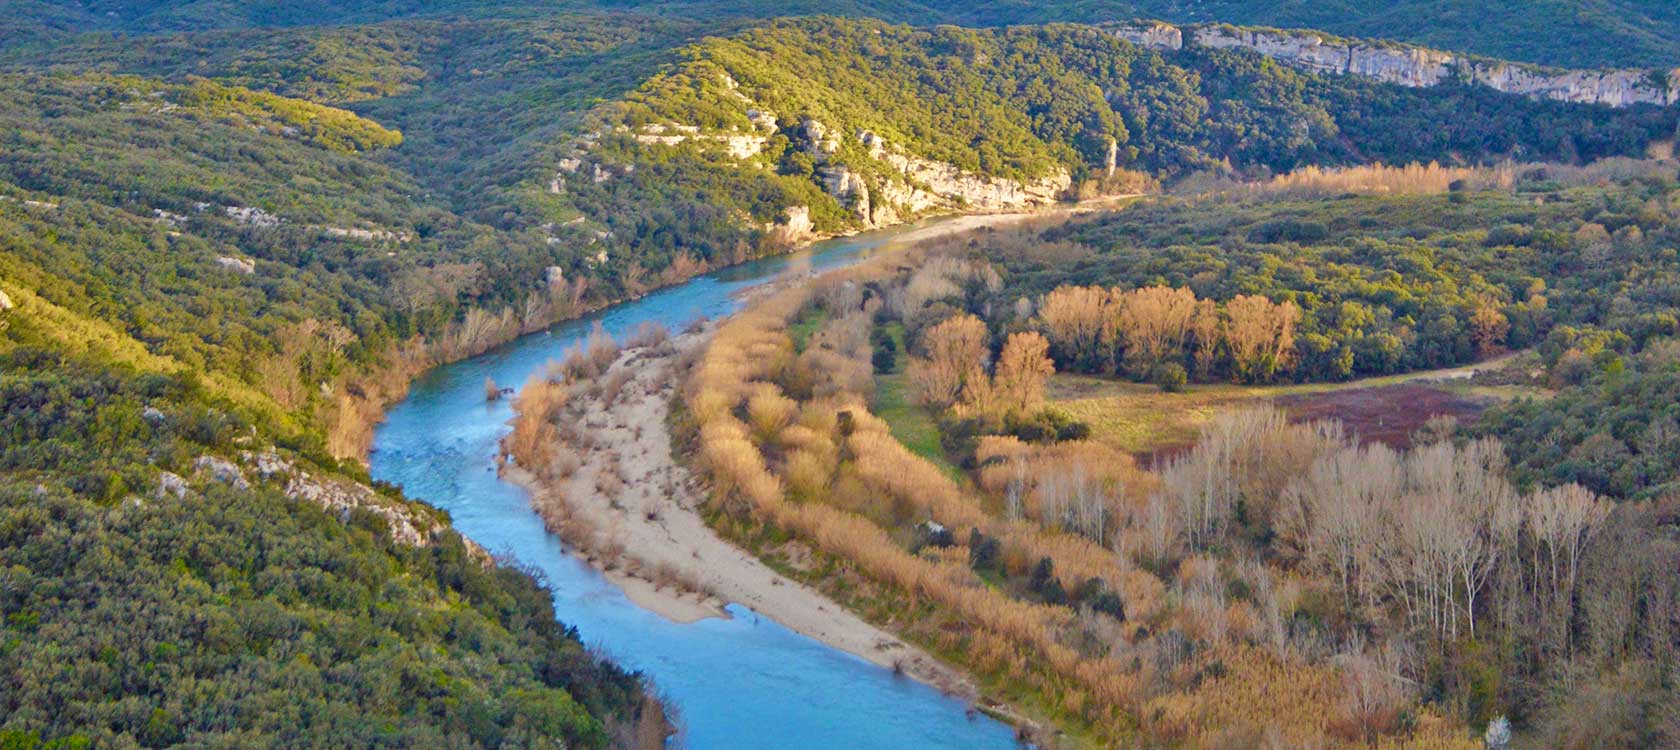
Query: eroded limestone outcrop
x=903, y=185
x=237, y=265
x=880, y=184
x=1408, y=65
x=794, y=228
x=341, y=497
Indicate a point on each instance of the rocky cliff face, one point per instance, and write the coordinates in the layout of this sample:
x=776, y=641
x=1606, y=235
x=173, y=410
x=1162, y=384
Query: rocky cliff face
x=1416, y=66
x=904, y=185
x=888, y=186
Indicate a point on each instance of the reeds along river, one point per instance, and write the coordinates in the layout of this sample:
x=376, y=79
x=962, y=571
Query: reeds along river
x=739, y=683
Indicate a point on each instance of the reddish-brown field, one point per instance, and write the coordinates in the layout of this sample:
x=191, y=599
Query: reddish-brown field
x=1386, y=414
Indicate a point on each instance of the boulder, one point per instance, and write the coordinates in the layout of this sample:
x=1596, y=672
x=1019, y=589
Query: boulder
x=171, y=485
x=223, y=471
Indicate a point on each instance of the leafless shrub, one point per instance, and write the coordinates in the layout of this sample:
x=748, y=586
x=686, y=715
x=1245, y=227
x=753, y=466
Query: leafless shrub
x=647, y=335
x=613, y=385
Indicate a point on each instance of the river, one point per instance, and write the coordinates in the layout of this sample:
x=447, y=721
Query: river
x=740, y=683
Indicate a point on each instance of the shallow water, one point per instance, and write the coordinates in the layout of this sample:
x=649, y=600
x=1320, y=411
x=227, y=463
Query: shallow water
x=740, y=683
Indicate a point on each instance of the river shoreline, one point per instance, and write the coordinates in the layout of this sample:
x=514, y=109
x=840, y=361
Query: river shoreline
x=727, y=671
x=630, y=510
x=633, y=512
x=357, y=416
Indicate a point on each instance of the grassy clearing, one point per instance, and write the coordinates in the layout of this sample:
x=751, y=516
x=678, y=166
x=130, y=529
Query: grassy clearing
x=1139, y=418
x=911, y=425
x=803, y=329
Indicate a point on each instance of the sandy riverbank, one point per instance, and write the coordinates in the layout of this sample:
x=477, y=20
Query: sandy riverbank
x=642, y=513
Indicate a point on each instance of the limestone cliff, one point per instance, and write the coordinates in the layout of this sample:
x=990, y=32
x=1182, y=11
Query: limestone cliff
x=1407, y=65
x=877, y=183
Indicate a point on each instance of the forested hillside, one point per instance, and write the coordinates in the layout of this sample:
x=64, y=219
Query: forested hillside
x=611, y=149
x=1579, y=33
x=1574, y=33
x=192, y=278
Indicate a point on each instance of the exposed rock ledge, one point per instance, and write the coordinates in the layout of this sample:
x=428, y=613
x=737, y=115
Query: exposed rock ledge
x=907, y=186
x=1408, y=65
x=339, y=497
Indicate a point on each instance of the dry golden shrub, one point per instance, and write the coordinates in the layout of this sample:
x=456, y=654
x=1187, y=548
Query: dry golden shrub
x=1023, y=368
x=1080, y=319
x=956, y=351
x=647, y=335
x=1246, y=687
x=768, y=411
x=798, y=435
x=534, y=438
x=809, y=471
x=1374, y=179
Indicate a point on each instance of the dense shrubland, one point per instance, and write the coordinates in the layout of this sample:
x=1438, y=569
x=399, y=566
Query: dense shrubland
x=488, y=107
x=194, y=271
x=150, y=601
x=1274, y=288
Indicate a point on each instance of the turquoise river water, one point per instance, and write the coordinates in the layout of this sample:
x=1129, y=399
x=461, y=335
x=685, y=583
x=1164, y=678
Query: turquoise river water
x=738, y=684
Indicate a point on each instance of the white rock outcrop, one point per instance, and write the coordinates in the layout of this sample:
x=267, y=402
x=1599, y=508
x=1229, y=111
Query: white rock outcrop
x=170, y=485
x=341, y=498
x=1152, y=35
x=763, y=120
x=353, y=233
x=906, y=185
x=737, y=145
x=819, y=142
x=1408, y=65
x=982, y=192
x=252, y=217
x=222, y=470
x=237, y=265
x=794, y=228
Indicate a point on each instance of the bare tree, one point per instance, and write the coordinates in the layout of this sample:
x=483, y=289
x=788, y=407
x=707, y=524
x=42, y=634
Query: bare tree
x=1080, y=321
x=1261, y=335
x=1560, y=522
x=1334, y=513
x=1156, y=322
x=956, y=349
x=1022, y=370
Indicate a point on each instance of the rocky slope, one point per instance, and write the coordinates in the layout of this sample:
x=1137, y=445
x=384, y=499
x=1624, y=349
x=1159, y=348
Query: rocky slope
x=1407, y=65
x=877, y=183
